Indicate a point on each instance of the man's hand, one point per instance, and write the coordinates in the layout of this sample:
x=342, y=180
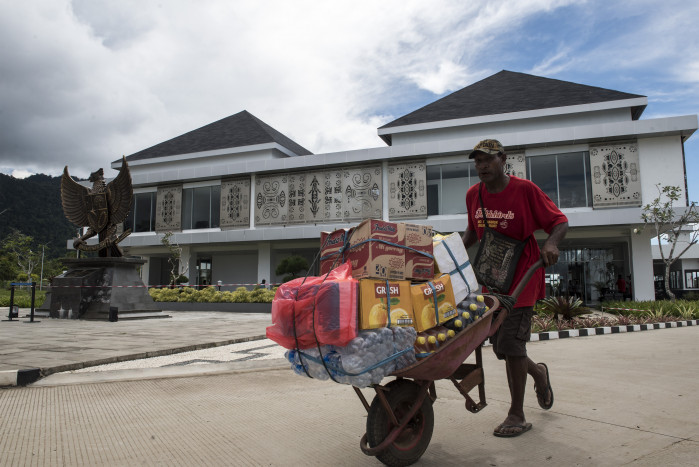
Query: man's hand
x=549, y=252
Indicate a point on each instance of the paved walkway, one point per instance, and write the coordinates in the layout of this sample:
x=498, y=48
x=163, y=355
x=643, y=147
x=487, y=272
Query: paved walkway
x=620, y=399
x=55, y=345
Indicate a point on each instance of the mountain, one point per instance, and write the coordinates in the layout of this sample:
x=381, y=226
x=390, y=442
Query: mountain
x=33, y=206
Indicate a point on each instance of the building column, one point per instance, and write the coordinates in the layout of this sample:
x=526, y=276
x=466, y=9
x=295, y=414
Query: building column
x=145, y=271
x=643, y=287
x=185, y=266
x=264, y=259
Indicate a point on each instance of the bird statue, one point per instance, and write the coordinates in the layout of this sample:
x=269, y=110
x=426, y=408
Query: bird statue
x=101, y=208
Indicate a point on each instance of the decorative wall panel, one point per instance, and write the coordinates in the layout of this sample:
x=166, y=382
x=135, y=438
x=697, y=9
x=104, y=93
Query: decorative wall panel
x=271, y=200
x=306, y=200
x=168, y=209
x=516, y=165
x=615, y=175
x=235, y=203
x=407, y=197
x=333, y=195
x=362, y=193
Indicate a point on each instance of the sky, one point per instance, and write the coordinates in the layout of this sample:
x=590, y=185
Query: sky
x=84, y=82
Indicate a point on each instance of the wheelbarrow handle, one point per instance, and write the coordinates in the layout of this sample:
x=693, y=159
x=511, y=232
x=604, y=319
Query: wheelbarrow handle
x=525, y=280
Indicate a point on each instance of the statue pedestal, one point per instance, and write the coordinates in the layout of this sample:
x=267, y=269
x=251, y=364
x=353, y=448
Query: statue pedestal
x=92, y=285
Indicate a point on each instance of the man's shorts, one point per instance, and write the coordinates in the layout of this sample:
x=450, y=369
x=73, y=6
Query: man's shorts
x=511, y=337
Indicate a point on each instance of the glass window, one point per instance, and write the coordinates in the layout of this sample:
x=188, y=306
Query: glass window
x=675, y=279
x=141, y=218
x=201, y=207
x=542, y=171
x=446, y=187
x=691, y=279
x=565, y=178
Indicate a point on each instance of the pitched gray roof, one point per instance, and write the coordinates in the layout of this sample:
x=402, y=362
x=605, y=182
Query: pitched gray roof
x=241, y=129
x=509, y=91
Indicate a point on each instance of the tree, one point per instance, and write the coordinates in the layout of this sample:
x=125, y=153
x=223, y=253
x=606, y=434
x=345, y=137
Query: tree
x=291, y=266
x=19, y=247
x=669, y=223
x=177, y=275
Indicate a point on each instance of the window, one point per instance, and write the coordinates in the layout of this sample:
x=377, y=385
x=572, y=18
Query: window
x=565, y=178
x=691, y=279
x=141, y=218
x=201, y=207
x=446, y=187
x=675, y=279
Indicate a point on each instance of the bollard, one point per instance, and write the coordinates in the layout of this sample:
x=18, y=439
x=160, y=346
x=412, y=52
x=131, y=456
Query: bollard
x=31, y=314
x=113, y=314
x=11, y=313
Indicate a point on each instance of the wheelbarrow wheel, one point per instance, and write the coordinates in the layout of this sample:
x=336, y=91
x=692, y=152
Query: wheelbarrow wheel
x=412, y=442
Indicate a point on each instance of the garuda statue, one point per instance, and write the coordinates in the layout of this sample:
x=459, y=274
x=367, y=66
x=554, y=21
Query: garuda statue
x=101, y=208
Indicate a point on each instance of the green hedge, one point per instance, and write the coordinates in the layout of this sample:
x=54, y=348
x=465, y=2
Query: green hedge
x=212, y=295
x=23, y=297
x=686, y=309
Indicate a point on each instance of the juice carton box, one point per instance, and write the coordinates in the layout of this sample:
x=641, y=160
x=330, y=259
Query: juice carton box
x=433, y=302
x=418, y=240
x=331, y=244
x=376, y=250
x=384, y=303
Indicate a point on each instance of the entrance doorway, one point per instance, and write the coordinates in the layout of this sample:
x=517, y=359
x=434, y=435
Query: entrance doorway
x=203, y=272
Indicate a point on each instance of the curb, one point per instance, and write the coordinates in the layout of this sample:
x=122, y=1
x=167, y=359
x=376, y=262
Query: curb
x=32, y=375
x=19, y=377
x=585, y=332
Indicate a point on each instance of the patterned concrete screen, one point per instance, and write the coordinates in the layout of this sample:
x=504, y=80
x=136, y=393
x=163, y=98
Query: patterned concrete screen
x=516, y=165
x=168, y=209
x=615, y=175
x=363, y=193
x=407, y=198
x=306, y=197
x=333, y=195
x=271, y=199
x=235, y=203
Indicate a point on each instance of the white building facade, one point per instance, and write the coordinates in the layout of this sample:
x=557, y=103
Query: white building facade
x=239, y=196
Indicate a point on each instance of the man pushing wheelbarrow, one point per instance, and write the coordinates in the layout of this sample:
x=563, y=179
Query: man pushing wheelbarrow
x=503, y=213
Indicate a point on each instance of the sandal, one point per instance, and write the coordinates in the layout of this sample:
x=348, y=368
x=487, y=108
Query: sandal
x=542, y=397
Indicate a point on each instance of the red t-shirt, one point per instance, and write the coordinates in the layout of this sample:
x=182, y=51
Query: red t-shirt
x=517, y=211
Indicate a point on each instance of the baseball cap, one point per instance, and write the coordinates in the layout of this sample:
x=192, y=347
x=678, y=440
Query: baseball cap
x=487, y=146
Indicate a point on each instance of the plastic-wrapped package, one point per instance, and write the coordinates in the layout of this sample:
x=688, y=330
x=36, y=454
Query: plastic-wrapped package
x=366, y=360
x=322, y=307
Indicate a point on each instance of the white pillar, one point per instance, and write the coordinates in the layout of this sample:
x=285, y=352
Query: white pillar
x=642, y=266
x=264, y=259
x=186, y=267
x=145, y=271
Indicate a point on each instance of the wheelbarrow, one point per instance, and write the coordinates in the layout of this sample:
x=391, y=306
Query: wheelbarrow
x=400, y=418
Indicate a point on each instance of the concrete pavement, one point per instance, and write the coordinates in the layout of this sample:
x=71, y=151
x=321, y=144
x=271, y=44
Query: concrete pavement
x=620, y=399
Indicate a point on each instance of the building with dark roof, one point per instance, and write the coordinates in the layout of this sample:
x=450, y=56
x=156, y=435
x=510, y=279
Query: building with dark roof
x=240, y=196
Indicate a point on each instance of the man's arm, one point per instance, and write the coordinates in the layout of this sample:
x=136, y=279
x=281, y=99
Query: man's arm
x=470, y=237
x=549, y=252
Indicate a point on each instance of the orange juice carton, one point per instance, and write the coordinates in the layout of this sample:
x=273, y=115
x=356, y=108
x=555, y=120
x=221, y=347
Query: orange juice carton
x=419, y=260
x=433, y=302
x=376, y=250
x=384, y=303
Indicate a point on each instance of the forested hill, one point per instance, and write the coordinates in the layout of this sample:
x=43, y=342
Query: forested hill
x=33, y=206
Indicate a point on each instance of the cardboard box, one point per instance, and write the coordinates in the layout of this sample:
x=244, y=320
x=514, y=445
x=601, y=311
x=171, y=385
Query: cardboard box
x=419, y=261
x=377, y=309
x=376, y=250
x=331, y=245
x=450, y=257
x=425, y=314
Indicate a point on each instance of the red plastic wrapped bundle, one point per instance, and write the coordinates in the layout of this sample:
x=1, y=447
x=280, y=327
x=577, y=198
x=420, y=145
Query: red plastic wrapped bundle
x=329, y=304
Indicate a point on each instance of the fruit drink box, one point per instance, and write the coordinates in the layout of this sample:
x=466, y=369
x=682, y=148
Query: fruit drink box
x=419, y=260
x=332, y=253
x=433, y=303
x=450, y=257
x=384, y=303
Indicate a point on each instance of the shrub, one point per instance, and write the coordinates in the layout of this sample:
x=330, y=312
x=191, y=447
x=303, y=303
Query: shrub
x=566, y=307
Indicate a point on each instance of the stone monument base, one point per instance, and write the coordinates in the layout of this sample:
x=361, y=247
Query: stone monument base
x=92, y=285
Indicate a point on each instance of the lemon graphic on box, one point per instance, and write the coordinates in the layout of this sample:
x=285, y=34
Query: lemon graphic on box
x=400, y=317
x=427, y=318
x=378, y=315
